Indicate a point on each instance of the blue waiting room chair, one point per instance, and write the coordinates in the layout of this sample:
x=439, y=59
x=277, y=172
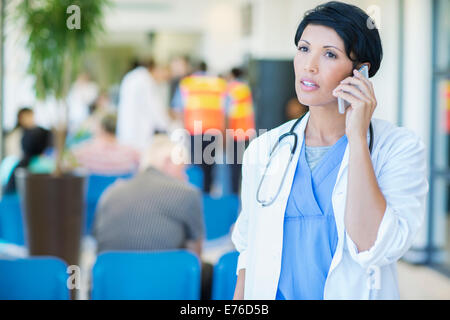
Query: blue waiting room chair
x=219, y=214
x=195, y=176
x=35, y=278
x=156, y=275
x=224, y=277
x=97, y=184
x=11, y=220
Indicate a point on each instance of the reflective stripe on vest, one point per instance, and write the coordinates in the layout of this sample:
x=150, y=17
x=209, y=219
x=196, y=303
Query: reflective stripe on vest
x=204, y=102
x=241, y=114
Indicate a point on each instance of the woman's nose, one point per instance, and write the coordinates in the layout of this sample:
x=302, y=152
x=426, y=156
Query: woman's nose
x=311, y=66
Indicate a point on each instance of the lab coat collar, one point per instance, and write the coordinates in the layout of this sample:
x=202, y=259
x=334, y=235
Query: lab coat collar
x=300, y=131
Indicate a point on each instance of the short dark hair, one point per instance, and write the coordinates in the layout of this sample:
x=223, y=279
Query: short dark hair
x=202, y=66
x=237, y=72
x=353, y=25
x=35, y=141
x=109, y=122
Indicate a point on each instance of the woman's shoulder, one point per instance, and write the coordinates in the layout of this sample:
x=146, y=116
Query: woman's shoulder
x=393, y=139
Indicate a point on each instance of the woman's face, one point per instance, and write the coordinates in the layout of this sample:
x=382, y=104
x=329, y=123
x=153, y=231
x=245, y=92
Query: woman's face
x=320, y=64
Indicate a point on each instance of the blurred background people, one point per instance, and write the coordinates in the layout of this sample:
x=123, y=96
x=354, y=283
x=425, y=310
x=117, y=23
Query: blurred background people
x=241, y=120
x=35, y=142
x=155, y=210
x=82, y=94
x=180, y=67
x=141, y=111
x=97, y=110
x=201, y=100
x=104, y=155
x=25, y=120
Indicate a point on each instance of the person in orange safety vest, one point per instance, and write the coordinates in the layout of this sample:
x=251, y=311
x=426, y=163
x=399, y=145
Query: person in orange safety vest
x=240, y=123
x=201, y=98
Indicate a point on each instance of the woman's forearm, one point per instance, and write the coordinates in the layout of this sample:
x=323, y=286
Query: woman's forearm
x=240, y=284
x=365, y=204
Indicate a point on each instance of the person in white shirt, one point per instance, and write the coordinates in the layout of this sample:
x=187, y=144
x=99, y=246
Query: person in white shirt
x=141, y=111
x=81, y=95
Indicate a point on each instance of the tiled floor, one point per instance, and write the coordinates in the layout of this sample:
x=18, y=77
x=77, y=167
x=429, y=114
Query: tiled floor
x=422, y=283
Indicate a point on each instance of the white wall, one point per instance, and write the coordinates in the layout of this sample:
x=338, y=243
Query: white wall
x=275, y=23
x=219, y=21
x=417, y=79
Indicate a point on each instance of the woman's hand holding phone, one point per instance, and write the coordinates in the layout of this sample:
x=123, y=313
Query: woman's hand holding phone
x=358, y=91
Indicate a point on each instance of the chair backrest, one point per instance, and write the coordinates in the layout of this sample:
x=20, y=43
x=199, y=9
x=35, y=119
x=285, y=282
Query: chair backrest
x=195, y=176
x=219, y=215
x=35, y=278
x=11, y=220
x=97, y=184
x=157, y=275
x=224, y=277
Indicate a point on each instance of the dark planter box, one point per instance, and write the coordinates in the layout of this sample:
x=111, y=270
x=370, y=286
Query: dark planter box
x=53, y=209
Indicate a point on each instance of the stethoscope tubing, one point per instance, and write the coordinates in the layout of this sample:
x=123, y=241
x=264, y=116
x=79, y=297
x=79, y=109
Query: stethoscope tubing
x=287, y=134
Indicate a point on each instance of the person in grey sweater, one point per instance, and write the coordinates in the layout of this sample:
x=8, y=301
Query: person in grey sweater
x=155, y=210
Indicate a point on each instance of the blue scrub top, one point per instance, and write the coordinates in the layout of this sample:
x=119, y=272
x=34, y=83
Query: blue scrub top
x=310, y=234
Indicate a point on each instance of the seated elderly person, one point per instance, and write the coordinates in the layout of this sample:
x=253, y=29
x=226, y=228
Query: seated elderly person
x=155, y=210
x=104, y=155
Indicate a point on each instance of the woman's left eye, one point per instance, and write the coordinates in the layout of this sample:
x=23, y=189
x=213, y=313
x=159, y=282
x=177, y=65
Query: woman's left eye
x=330, y=54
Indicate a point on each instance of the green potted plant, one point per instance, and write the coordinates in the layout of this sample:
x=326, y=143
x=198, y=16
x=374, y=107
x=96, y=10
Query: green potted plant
x=57, y=34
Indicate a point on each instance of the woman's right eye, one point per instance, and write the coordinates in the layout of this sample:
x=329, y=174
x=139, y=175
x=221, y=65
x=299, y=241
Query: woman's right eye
x=301, y=48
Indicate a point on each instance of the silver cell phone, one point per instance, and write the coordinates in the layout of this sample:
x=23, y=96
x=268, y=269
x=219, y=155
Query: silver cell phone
x=343, y=104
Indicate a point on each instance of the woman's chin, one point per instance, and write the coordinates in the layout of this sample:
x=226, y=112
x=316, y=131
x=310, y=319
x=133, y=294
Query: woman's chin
x=310, y=100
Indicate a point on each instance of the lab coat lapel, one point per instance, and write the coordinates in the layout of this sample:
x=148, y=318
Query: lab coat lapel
x=273, y=215
x=339, y=199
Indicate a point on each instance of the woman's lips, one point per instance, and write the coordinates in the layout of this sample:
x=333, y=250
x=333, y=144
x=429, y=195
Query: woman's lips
x=308, y=88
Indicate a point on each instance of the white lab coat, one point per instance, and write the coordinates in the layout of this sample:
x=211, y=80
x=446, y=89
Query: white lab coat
x=399, y=162
x=141, y=110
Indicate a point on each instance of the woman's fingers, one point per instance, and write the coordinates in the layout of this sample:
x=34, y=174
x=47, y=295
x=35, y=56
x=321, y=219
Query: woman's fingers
x=354, y=101
x=362, y=86
x=347, y=88
x=360, y=76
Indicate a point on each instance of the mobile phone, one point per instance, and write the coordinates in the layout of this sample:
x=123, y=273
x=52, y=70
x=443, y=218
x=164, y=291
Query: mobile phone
x=343, y=104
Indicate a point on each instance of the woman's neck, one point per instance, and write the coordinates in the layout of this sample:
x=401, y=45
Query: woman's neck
x=325, y=126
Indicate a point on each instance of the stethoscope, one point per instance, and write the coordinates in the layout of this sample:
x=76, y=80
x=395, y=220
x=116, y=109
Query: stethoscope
x=290, y=133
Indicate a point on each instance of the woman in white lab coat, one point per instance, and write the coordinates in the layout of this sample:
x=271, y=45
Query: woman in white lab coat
x=330, y=202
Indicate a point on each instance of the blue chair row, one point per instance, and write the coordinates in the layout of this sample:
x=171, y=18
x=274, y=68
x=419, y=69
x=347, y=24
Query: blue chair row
x=96, y=185
x=221, y=172
x=195, y=176
x=11, y=219
x=120, y=276
x=164, y=275
x=219, y=215
x=36, y=278
x=224, y=277
x=159, y=275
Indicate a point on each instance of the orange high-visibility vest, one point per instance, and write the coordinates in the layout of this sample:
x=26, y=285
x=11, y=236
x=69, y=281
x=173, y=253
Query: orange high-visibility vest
x=240, y=115
x=204, y=98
